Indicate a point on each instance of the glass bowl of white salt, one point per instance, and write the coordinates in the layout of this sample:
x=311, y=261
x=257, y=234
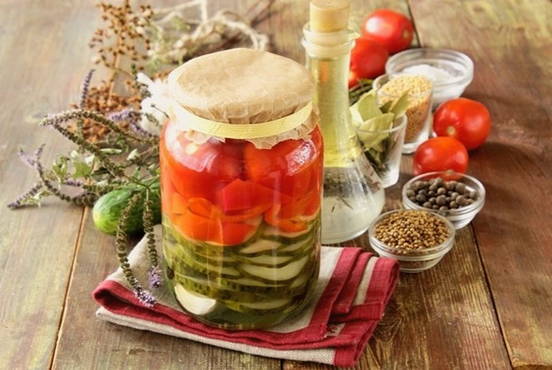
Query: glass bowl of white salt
x=450, y=71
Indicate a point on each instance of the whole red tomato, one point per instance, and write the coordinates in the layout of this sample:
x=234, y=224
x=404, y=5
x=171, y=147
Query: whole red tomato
x=441, y=154
x=368, y=59
x=464, y=119
x=391, y=29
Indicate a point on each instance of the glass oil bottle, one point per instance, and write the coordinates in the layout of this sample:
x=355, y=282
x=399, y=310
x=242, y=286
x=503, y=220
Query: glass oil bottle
x=353, y=192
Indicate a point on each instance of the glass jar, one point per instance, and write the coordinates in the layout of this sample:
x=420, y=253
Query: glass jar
x=241, y=218
x=383, y=148
x=353, y=192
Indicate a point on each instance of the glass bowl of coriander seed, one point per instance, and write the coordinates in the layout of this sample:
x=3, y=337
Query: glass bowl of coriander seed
x=456, y=196
x=417, y=239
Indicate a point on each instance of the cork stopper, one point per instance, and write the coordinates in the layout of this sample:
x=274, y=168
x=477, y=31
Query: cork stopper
x=329, y=15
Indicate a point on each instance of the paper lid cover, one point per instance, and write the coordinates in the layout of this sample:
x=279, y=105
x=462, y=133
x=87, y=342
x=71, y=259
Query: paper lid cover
x=242, y=86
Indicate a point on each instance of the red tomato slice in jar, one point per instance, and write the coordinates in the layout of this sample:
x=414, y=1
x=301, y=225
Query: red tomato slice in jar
x=273, y=217
x=195, y=226
x=313, y=203
x=285, y=167
x=205, y=208
x=198, y=170
x=201, y=221
x=232, y=233
x=177, y=204
x=242, y=195
x=218, y=159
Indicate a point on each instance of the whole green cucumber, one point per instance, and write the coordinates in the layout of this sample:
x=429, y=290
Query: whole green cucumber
x=107, y=210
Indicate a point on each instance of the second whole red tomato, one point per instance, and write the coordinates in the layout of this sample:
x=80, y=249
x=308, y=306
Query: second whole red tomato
x=441, y=154
x=391, y=29
x=464, y=119
x=368, y=59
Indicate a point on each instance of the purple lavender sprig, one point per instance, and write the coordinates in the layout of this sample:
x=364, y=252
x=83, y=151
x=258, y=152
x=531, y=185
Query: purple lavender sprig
x=126, y=114
x=145, y=297
x=28, y=159
x=63, y=117
x=85, y=88
x=21, y=201
x=155, y=278
x=133, y=118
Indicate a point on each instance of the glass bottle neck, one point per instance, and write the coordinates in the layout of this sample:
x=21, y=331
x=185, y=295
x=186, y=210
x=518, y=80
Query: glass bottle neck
x=332, y=99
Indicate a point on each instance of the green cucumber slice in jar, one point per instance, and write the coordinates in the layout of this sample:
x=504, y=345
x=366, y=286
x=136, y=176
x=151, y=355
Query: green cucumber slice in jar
x=259, y=246
x=267, y=260
x=259, y=307
x=275, y=274
x=286, y=237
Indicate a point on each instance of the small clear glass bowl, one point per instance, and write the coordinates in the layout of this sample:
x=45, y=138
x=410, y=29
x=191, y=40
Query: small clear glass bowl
x=457, y=64
x=392, y=140
x=415, y=260
x=459, y=217
x=420, y=118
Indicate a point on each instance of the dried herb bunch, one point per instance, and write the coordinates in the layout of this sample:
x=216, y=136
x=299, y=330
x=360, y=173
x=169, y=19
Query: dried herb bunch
x=123, y=35
x=141, y=38
x=124, y=156
x=113, y=130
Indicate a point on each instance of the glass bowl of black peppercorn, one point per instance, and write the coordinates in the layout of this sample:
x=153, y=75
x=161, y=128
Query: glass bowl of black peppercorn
x=456, y=196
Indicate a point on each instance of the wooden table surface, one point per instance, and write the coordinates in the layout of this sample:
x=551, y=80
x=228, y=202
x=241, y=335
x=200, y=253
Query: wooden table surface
x=487, y=305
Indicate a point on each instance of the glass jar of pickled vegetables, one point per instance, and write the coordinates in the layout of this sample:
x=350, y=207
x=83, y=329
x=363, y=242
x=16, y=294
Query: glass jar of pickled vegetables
x=241, y=173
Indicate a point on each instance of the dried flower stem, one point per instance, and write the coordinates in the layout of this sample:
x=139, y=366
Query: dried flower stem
x=84, y=114
x=85, y=88
x=84, y=199
x=21, y=200
x=113, y=168
x=121, y=242
x=155, y=280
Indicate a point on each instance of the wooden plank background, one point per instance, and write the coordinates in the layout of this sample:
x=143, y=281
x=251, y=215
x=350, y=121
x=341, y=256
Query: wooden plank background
x=511, y=44
x=36, y=246
x=487, y=305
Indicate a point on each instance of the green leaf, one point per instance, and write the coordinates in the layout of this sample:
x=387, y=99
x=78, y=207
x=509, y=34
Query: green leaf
x=59, y=168
x=81, y=169
x=385, y=108
x=400, y=105
x=372, y=131
x=367, y=106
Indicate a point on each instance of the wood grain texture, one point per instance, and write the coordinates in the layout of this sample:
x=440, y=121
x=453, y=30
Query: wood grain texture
x=41, y=71
x=511, y=44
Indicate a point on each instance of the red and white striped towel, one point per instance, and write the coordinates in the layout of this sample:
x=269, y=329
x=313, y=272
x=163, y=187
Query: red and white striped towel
x=350, y=297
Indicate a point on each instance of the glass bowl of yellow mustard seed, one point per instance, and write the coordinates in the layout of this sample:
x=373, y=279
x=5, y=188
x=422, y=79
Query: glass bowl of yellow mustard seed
x=456, y=196
x=417, y=239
